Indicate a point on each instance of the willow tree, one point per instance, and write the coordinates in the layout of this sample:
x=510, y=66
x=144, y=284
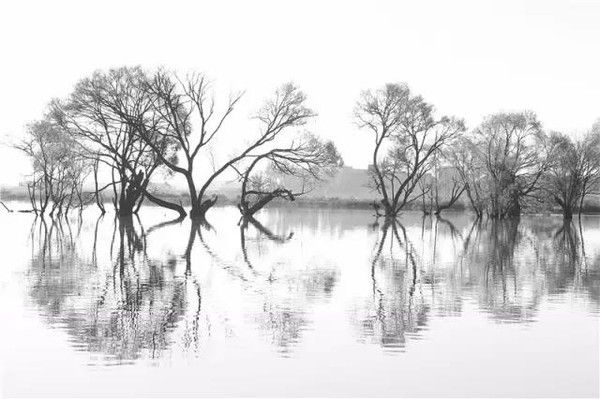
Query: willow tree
x=516, y=153
x=574, y=171
x=564, y=179
x=98, y=115
x=175, y=104
x=187, y=111
x=443, y=186
x=467, y=160
x=407, y=135
x=58, y=172
x=294, y=161
x=588, y=150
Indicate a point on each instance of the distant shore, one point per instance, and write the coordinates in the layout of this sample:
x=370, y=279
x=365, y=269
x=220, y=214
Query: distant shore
x=10, y=196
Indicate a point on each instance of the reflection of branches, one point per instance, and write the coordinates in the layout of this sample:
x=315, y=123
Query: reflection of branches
x=133, y=311
x=161, y=225
x=393, y=297
x=197, y=228
x=583, y=256
x=454, y=232
x=567, y=242
x=263, y=231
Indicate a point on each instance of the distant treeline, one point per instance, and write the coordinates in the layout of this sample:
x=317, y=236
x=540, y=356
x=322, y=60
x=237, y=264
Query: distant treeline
x=130, y=123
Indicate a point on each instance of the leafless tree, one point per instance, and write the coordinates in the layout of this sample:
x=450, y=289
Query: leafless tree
x=94, y=116
x=405, y=126
x=574, y=171
x=467, y=161
x=589, y=157
x=58, y=172
x=564, y=180
x=302, y=157
x=174, y=103
x=516, y=153
x=443, y=184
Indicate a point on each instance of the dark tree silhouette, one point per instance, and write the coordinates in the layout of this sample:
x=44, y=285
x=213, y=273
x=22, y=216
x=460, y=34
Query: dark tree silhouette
x=305, y=158
x=174, y=103
x=94, y=115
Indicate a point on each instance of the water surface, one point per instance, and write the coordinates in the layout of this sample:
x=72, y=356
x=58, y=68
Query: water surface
x=304, y=302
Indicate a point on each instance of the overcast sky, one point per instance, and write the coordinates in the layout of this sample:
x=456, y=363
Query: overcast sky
x=468, y=58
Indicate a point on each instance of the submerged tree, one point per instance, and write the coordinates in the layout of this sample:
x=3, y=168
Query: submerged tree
x=405, y=126
x=574, y=171
x=589, y=154
x=563, y=180
x=177, y=102
x=443, y=187
x=174, y=103
x=94, y=115
x=303, y=158
x=58, y=172
x=515, y=152
x=466, y=159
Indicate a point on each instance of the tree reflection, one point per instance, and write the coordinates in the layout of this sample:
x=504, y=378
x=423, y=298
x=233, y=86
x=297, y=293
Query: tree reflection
x=121, y=300
x=121, y=312
x=506, y=267
x=285, y=294
x=397, y=307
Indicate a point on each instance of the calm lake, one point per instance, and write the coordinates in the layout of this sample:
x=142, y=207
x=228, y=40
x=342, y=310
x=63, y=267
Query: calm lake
x=308, y=302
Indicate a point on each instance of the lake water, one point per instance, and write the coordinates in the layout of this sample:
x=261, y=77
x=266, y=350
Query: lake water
x=308, y=302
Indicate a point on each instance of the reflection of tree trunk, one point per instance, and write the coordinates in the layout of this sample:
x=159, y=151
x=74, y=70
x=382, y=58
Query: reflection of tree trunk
x=165, y=224
x=504, y=240
x=263, y=231
x=194, y=229
x=453, y=230
x=582, y=244
x=567, y=241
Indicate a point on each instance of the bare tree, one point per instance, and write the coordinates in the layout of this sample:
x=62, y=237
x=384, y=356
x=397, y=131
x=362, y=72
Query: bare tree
x=466, y=159
x=564, y=180
x=178, y=102
x=589, y=157
x=94, y=116
x=304, y=158
x=515, y=153
x=58, y=172
x=405, y=125
x=444, y=183
x=174, y=103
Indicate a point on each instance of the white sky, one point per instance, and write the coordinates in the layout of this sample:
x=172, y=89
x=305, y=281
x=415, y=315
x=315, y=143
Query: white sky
x=468, y=58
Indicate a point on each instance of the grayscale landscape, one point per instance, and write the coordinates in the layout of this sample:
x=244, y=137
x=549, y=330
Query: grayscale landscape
x=300, y=199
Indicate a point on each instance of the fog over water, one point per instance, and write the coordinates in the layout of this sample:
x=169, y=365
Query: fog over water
x=304, y=301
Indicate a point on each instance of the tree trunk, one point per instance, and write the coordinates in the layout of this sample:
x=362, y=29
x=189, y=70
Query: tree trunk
x=198, y=212
x=166, y=204
x=567, y=212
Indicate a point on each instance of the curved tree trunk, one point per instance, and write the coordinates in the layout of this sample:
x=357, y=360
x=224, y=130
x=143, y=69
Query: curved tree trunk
x=248, y=210
x=166, y=204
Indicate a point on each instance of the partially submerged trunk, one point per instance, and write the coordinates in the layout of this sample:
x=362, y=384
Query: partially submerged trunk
x=166, y=204
x=198, y=211
x=453, y=198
